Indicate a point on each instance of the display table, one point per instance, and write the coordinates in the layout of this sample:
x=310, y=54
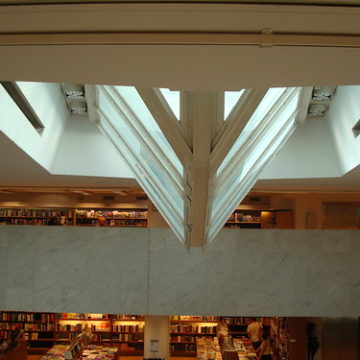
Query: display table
x=91, y=352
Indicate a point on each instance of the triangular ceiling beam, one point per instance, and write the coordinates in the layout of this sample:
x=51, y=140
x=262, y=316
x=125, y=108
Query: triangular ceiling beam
x=234, y=125
x=197, y=170
x=167, y=122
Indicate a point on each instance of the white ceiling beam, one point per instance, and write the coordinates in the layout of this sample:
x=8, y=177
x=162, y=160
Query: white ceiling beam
x=304, y=101
x=167, y=122
x=92, y=103
x=202, y=116
x=234, y=126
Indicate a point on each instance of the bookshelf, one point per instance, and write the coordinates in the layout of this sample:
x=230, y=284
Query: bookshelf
x=44, y=330
x=75, y=217
x=261, y=219
x=185, y=331
x=247, y=219
x=125, y=331
x=38, y=328
x=111, y=217
x=13, y=216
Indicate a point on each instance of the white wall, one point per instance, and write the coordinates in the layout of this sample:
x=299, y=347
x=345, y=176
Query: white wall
x=85, y=150
x=309, y=153
x=343, y=115
x=48, y=103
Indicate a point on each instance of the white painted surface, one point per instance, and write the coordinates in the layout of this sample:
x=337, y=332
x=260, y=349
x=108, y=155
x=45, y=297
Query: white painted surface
x=157, y=337
x=309, y=153
x=48, y=103
x=84, y=150
x=343, y=115
x=181, y=66
x=148, y=271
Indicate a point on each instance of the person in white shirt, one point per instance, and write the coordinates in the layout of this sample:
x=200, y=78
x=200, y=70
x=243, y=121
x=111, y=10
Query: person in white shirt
x=254, y=333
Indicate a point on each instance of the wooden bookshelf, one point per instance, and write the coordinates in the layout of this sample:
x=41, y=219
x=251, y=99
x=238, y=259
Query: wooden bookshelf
x=38, y=328
x=75, y=217
x=186, y=330
x=127, y=331
x=261, y=219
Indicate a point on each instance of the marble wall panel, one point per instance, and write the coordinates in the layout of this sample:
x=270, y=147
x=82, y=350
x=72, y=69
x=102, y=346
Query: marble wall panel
x=243, y=272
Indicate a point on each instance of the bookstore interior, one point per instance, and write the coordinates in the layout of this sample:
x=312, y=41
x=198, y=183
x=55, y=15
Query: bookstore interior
x=51, y=336
x=139, y=181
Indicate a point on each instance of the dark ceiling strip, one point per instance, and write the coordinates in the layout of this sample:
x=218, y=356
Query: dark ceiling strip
x=341, y=3
x=264, y=39
x=20, y=100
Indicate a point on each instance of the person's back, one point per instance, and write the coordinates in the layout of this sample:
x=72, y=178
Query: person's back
x=253, y=330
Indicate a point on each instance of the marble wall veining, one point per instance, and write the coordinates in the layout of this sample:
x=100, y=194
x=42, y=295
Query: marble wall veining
x=148, y=271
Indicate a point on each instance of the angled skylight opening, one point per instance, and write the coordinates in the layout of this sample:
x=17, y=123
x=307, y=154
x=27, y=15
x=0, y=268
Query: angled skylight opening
x=126, y=121
x=266, y=132
x=20, y=100
x=231, y=98
x=173, y=100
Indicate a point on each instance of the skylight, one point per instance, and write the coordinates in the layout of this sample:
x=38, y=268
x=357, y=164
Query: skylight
x=267, y=130
x=131, y=118
x=230, y=100
x=125, y=119
x=173, y=99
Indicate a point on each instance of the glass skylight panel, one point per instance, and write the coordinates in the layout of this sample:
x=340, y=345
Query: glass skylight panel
x=125, y=119
x=230, y=100
x=267, y=130
x=173, y=99
x=140, y=110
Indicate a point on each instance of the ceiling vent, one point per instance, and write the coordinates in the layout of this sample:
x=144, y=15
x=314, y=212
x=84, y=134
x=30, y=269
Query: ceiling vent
x=75, y=98
x=320, y=101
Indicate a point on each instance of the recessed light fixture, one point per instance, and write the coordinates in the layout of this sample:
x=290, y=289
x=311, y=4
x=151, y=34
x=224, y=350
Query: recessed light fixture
x=75, y=98
x=78, y=107
x=322, y=93
x=320, y=100
x=317, y=109
x=75, y=94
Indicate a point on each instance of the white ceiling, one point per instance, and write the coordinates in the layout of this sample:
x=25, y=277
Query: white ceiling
x=19, y=169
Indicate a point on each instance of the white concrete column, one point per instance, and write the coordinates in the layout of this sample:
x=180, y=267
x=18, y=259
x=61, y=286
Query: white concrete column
x=157, y=337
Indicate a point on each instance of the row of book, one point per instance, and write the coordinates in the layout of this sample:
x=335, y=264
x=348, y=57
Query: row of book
x=241, y=217
x=28, y=317
x=36, y=213
x=193, y=318
x=34, y=336
x=128, y=317
x=50, y=221
x=192, y=329
x=187, y=348
x=129, y=337
x=112, y=213
x=183, y=338
x=81, y=327
x=28, y=326
x=128, y=328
